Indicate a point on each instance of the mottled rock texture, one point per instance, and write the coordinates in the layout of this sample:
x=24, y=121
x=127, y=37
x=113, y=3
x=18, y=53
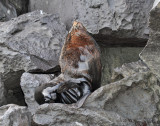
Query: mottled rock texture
x=64, y=115
x=14, y=115
x=7, y=11
x=112, y=57
x=12, y=8
x=113, y=22
x=21, y=6
x=129, y=69
x=28, y=84
x=151, y=53
x=31, y=42
x=135, y=96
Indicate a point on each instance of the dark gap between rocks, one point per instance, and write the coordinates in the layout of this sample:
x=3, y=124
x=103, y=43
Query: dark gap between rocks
x=116, y=51
x=56, y=71
x=21, y=6
x=111, y=41
x=121, y=38
x=14, y=93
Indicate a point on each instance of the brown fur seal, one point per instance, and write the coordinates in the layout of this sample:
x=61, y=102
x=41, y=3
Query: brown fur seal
x=80, y=70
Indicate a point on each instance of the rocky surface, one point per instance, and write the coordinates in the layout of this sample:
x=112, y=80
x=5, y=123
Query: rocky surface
x=31, y=42
x=7, y=11
x=135, y=98
x=12, y=8
x=13, y=115
x=21, y=6
x=117, y=22
x=150, y=54
x=128, y=69
x=64, y=115
x=112, y=57
x=28, y=84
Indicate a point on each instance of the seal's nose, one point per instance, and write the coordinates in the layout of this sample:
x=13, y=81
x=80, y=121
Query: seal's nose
x=75, y=23
x=77, y=26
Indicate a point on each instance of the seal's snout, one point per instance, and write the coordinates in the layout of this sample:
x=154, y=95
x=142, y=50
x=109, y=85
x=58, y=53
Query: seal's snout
x=75, y=23
x=78, y=26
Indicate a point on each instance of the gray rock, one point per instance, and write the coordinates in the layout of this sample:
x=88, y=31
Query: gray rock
x=112, y=57
x=128, y=69
x=112, y=22
x=135, y=98
x=31, y=42
x=12, y=8
x=13, y=115
x=66, y=115
x=35, y=37
x=28, y=84
x=151, y=52
x=7, y=11
x=21, y=6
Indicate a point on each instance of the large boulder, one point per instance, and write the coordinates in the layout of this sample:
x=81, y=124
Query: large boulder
x=14, y=115
x=112, y=22
x=134, y=97
x=151, y=53
x=31, y=42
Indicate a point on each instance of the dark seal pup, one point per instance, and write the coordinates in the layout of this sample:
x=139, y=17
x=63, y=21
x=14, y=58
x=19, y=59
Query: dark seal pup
x=80, y=70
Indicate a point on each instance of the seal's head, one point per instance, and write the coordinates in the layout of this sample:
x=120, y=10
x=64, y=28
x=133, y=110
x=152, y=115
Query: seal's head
x=77, y=36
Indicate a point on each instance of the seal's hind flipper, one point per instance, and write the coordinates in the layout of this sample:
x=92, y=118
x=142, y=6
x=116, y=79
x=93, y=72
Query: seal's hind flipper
x=86, y=92
x=81, y=101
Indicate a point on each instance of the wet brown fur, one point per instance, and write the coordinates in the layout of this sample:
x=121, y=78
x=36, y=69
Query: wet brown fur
x=79, y=42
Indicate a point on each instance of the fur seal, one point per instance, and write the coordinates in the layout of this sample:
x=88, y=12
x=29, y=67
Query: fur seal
x=80, y=70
